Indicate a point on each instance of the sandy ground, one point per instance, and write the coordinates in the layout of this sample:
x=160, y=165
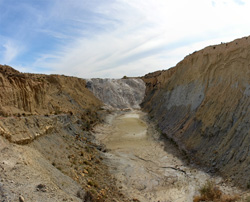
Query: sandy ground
x=56, y=167
x=25, y=172
x=147, y=167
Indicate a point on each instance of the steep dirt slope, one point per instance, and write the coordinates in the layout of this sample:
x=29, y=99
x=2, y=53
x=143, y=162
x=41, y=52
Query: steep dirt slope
x=43, y=94
x=118, y=93
x=26, y=95
x=47, y=152
x=203, y=105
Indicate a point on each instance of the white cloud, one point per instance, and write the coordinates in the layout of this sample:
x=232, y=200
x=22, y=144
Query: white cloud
x=138, y=36
x=11, y=50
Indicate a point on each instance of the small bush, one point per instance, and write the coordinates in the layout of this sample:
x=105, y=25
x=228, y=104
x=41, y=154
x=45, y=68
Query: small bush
x=210, y=192
x=93, y=183
x=248, y=185
x=87, y=162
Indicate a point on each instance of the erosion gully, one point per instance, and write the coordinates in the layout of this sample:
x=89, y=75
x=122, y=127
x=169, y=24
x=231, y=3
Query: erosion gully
x=147, y=166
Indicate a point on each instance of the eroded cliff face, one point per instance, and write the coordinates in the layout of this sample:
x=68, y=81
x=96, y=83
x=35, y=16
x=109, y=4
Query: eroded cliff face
x=203, y=105
x=43, y=94
x=118, y=93
x=29, y=102
x=47, y=151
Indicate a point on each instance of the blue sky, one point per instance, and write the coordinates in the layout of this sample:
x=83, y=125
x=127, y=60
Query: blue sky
x=113, y=38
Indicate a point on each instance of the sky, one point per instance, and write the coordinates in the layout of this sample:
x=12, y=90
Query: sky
x=113, y=38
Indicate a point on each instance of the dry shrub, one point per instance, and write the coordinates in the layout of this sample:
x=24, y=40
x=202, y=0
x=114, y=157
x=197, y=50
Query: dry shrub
x=210, y=192
x=226, y=198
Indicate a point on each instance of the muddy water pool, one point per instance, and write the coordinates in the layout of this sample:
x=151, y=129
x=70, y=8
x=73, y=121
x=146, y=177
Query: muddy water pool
x=147, y=167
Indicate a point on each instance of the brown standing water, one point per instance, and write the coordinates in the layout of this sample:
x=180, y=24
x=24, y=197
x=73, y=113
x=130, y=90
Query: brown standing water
x=146, y=167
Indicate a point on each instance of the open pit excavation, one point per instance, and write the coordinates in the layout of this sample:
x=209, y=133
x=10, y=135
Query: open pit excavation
x=164, y=137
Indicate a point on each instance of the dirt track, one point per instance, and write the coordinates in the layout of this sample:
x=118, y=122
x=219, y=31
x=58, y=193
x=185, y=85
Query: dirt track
x=146, y=167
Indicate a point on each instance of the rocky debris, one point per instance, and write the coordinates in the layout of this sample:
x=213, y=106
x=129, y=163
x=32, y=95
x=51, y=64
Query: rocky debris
x=2, y=191
x=118, y=93
x=21, y=199
x=41, y=187
x=81, y=193
x=47, y=151
x=24, y=130
x=23, y=168
x=203, y=105
x=54, y=166
x=78, y=157
x=85, y=196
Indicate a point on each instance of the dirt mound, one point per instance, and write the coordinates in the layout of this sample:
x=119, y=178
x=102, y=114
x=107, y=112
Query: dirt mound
x=203, y=104
x=118, y=93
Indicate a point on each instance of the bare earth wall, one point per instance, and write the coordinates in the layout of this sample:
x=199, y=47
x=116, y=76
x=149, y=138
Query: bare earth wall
x=27, y=102
x=47, y=150
x=203, y=105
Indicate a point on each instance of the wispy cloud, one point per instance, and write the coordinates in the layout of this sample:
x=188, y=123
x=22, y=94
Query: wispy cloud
x=10, y=51
x=113, y=38
x=147, y=32
x=240, y=2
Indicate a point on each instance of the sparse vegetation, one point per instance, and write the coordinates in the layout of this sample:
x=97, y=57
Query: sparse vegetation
x=87, y=149
x=87, y=162
x=93, y=183
x=210, y=192
x=248, y=185
x=85, y=196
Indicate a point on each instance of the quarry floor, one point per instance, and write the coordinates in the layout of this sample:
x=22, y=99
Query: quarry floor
x=147, y=166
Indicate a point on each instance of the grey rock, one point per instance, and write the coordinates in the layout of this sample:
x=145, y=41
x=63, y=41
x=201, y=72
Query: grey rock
x=21, y=198
x=41, y=187
x=118, y=93
x=85, y=196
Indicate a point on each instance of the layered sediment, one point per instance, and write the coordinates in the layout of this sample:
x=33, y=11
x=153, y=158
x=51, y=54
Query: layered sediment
x=29, y=102
x=47, y=151
x=203, y=105
x=43, y=94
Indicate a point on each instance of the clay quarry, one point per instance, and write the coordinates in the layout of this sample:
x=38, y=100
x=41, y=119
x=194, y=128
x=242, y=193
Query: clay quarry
x=176, y=135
